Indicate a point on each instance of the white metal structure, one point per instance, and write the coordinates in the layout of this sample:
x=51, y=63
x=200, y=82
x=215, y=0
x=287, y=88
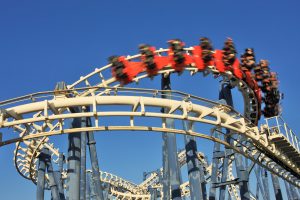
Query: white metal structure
x=38, y=116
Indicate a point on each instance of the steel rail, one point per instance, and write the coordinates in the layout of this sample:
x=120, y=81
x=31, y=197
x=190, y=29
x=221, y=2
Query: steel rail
x=251, y=106
x=81, y=101
x=126, y=189
x=246, y=91
x=117, y=91
x=140, y=191
x=250, y=102
x=266, y=162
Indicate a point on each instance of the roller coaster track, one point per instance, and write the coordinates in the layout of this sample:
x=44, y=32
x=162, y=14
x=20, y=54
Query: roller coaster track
x=216, y=115
x=153, y=178
x=250, y=104
x=119, y=186
x=37, y=116
x=123, y=189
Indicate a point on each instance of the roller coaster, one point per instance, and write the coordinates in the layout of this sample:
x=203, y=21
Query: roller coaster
x=244, y=146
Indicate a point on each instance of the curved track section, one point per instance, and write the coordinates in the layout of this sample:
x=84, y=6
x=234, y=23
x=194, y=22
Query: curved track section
x=123, y=189
x=97, y=79
x=38, y=116
x=56, y=110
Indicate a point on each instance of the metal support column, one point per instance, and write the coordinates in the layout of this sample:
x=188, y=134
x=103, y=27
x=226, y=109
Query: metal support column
x=153, y=193
x=88, y=188
x=296, y=189
x=276, y=187
x=106, y=194
x=225, y=95
x=257, y=190
x=41, y=177
x=227, y=155
x=73, y=173
x=294, y=193
x=166, y=173
x=288, y=190
x=51, y=176
x=83, y=160
x=264, y=175
x=243, y=177
x=94, y=161
x=259, y=183
x=215, y=166
x=58, y=176
x=174, y=173
x=173, y=163
x=92, y=190
x=195, y=170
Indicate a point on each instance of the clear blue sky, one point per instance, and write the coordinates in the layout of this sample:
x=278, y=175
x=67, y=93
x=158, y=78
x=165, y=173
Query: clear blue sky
x=44, y=42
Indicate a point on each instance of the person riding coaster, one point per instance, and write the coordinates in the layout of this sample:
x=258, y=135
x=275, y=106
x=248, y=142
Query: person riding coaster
x=120, y=69
x=229, y=52
x=258, y=73
x=151, y=61
x=200, y=57
x=248, y=59
x=247, y=64
x=274, y=80
x=207, y=49
x=148, y=54
x=271, y=110
x=178, y=58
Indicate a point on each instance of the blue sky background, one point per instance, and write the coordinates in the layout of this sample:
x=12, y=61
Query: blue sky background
x=44, y=42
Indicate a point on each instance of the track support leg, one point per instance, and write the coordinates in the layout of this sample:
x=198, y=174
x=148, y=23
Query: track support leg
x=170, y=146
x=73, y=177
x=83, y=160
x=259, y=183
x=51, y=175
x=294, y=193
x=166, y=173
x=264, y=175
x=288, y=190
x=195, y=169
x=225, y=94
x=94, y=162
x=243, y=176
x=58, y=177
x=41, y=178
x=227, y=154
x=215, y=166
x=92, y=190
x=276, y=187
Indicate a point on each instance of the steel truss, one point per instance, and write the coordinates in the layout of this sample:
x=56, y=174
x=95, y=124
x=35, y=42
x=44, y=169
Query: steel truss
x=37, y=116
